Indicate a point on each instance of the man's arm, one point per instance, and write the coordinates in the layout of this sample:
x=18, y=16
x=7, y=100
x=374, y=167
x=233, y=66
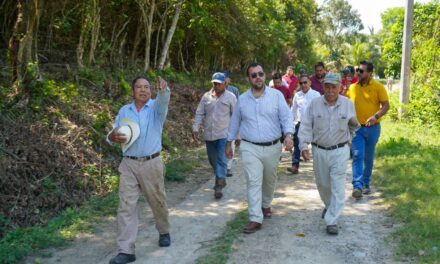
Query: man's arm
x=198, y=119
x=162, y=99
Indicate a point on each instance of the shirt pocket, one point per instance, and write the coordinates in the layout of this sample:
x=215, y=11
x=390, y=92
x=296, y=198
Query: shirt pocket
x=343, y=123
x=319, y=122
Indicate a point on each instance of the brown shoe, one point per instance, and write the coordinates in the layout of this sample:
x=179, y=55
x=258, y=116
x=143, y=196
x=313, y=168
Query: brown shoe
x=293, y=169
x=267, y=213
x=219, y=185
x=252, y=227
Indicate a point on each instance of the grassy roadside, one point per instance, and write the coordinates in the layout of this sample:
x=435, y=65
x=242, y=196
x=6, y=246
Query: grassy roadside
x=408, y=174
x=21, y=242
x=222, y=246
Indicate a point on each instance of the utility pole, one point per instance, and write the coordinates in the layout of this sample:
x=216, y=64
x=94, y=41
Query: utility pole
x=406, y=57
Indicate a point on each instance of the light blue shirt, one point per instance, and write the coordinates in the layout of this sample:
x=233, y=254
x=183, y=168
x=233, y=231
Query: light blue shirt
x=262, y=119
x=150, y=119
x=233, y=90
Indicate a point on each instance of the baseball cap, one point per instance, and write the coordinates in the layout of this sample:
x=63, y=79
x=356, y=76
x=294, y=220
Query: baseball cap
x=332, y=78
x=218, y=77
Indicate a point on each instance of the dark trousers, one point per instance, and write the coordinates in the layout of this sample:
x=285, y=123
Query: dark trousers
x=296, y=151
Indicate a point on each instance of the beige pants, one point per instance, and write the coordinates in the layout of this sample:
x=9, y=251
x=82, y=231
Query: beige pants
x=330, y=167
x=260, y=167
x=146, y=177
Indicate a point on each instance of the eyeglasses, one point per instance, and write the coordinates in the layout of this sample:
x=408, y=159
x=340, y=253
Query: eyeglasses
x=359, y=70
x=302, y=83
x=255, y=74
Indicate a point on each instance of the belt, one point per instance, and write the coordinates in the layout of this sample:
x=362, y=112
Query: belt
x=370, y=126
x=264, y=144
x=340, y=145
x=145, y=158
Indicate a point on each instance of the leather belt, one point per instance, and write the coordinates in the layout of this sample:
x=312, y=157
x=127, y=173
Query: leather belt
x=145, y=158
x=264, y=144
x=340, y=145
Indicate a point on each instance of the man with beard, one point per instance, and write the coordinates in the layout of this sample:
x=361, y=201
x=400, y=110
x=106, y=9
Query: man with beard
x=214, y=113
x=329, y=124
x=318, y=78
x=261, y=116
x=300, y=103
x=370, y=99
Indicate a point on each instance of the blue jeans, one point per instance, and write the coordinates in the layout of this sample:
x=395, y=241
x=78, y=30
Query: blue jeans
x=363, y=147
x=296, y=152
x=217, y=157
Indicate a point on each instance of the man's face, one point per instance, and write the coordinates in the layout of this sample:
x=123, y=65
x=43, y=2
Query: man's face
x=362, y=72
x=304, y=83
x=320, y=72
x=141, y=91
x=219, y=88
x=348, y=77
x=256, y=77
x=331, y=92
x=277, y=83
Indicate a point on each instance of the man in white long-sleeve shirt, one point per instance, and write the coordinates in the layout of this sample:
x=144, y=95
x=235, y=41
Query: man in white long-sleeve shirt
x=300, y=103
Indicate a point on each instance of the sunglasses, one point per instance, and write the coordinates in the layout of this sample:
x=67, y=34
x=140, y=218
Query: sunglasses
x=359, y=70
x=302, y=83
x=255, y=74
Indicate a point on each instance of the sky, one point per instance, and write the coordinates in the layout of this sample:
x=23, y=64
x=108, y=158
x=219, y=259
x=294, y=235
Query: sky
x=370, y=10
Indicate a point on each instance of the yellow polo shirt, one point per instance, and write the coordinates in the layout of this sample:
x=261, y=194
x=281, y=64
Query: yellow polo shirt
x=367, y=99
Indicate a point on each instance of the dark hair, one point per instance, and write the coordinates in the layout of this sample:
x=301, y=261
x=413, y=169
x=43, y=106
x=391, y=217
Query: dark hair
x=252, y=65
x=138, y=78
x=304, y=76
x=348, y=69
x=369, y=65
x=276, y=75
x=319, y=64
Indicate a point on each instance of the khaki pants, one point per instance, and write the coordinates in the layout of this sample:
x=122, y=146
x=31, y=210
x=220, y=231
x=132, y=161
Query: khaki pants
x=330, y=167
x=146, y=177
x=260, y=167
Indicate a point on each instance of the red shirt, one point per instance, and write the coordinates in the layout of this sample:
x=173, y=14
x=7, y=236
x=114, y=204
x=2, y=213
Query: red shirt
x=354, y=79
x=292, y=81
x=316, y=84
x=285, y=91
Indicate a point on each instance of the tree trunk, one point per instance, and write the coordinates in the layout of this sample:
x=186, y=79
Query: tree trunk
x=137, y=39
x=95, y=30
x=148, y=25
x=170, y=34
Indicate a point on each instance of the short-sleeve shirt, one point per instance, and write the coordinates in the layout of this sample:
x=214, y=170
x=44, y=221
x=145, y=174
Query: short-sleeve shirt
x=367, y=99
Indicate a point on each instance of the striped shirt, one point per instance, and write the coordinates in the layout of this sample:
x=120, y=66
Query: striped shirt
x=262, y=119
x=300, y=103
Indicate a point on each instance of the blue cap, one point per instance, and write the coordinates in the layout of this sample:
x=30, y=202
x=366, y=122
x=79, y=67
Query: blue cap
x=218, y=77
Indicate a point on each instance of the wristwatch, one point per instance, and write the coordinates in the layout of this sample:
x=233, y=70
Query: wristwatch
x=376, y=116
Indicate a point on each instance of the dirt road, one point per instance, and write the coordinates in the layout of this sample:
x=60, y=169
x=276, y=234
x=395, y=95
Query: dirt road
x=295, y=234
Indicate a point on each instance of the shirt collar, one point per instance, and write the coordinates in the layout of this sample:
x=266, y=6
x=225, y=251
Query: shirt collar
x=148, y=104
x=338, y=100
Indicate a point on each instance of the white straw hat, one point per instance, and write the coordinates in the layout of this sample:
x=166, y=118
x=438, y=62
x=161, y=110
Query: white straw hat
x=131, y=131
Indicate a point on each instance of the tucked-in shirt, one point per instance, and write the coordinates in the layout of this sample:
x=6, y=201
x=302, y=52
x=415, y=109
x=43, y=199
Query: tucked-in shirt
x=150, y=119
x=300, y=103
x=214, y=113
x=233, y=90
x=316, y=84
x=327, y=125
x=367, y=99
x=292, y=82
x=261, y=119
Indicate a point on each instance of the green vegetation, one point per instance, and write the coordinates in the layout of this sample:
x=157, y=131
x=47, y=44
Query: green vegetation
x=222, y=246
x=408, y=170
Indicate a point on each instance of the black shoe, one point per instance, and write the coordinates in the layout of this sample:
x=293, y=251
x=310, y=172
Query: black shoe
x=229, y=173
x=123, y=258
x=366, y=190
x=332, y=229
x=357, y=194
x=164, y=240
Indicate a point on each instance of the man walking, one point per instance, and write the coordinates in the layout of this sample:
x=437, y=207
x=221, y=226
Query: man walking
x=236, y=92
x=318, y=78
x=141, y=169
x=370, y=99
x=300, y=103
x=214, y=113
x=261, y=117
x=278, y=85
x=291, y=79
x=329, y=124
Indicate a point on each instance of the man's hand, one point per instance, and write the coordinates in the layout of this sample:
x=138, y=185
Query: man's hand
x=228, y=150
x=305, y=154
x=117, y=137
x=371, y=121
x=195, y=136
x=161, y=84
x=288, y=143
x=237, y=142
